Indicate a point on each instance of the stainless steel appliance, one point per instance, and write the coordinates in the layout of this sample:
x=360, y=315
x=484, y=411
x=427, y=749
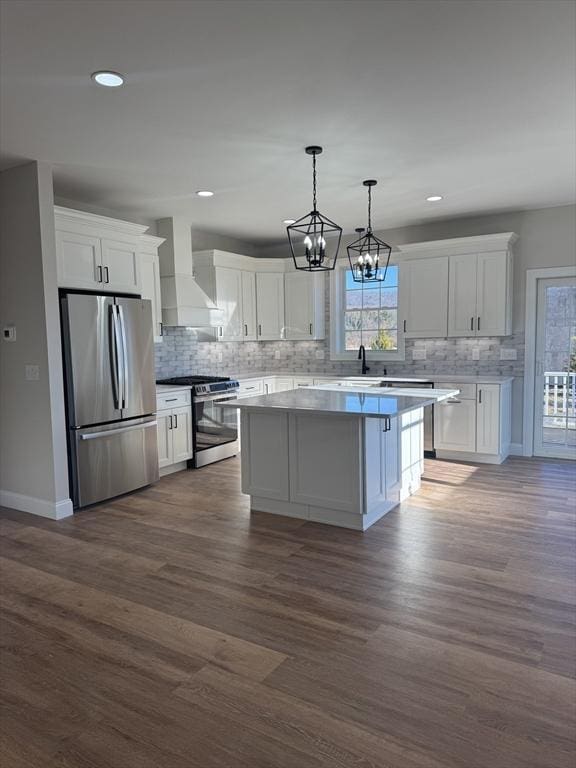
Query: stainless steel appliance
x=214, y=429
x=110, y=395
x=429, y=450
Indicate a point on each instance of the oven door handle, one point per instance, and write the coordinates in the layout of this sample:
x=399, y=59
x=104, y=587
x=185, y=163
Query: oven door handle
x=220, y=397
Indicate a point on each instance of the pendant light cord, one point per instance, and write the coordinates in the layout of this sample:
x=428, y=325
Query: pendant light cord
x=314, y=180
x=369, y=209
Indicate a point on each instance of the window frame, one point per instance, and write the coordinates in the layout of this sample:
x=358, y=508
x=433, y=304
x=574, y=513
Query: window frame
x=337, y=309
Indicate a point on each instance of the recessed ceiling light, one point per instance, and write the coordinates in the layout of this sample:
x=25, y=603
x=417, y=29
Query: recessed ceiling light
x=108, y=79
x=205, y=193
x=434, y=198
x=289, y=221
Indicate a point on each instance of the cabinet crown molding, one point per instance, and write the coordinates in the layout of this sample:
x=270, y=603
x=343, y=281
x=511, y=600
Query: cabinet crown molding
x=501, y=241
x=69, y=217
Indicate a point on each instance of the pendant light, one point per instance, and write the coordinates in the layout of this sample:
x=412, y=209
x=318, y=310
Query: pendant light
x=368, y=255
x=314, y=239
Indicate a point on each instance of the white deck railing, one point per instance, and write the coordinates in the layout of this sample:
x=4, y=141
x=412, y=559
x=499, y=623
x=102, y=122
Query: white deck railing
x=559, y=395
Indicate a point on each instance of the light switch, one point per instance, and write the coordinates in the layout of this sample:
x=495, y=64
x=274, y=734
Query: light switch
x=419, y=353
x=32, y=372
x=277, y=354
x=476, y=353
x=508, y=354
x=320, y=354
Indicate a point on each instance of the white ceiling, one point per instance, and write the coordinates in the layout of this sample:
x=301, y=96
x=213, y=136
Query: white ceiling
x=472, y=100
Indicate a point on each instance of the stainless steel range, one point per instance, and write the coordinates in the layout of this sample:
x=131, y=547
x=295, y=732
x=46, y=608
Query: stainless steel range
x=214, y=429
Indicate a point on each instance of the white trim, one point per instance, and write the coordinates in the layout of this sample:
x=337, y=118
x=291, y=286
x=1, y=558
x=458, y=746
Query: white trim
x=55, y=510
x=516, y=449
x=70, y=217
x=336, y=311
x=459, y=245
x=532, y=277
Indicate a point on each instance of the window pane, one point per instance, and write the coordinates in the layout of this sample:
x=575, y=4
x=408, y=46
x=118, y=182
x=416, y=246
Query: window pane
x=388, y=318
x=382, y=340
x=391, y=277
x=352, y=321
x=372, y=298
x=389, y=297
x=352, y=340
x=370, y=319
x=353, y=299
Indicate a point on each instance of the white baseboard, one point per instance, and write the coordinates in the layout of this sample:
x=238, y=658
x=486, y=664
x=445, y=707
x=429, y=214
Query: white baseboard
x=516, y=449
x=55, y=510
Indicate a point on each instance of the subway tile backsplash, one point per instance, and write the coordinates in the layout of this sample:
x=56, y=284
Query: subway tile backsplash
x=181, y=352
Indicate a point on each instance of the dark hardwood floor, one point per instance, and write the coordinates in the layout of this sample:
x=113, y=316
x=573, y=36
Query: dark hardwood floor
x=173, y=629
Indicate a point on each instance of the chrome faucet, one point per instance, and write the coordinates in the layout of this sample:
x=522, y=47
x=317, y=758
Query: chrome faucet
x=362, y=356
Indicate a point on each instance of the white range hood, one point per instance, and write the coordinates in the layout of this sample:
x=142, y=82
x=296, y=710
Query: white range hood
x=184, y=303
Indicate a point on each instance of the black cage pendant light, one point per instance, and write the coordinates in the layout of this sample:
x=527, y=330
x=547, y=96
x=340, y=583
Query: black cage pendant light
x=369, y=256
x=314, y=239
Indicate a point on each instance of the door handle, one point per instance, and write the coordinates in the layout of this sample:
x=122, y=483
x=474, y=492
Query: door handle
x=108, y=432
x=386, y=424
x=115, y=356
x=125, y=380
x=99, y=272
x=161, y=329
x=107, y=280
x=471, y=323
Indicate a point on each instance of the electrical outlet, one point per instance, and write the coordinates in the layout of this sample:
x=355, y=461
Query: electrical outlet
x=32, y=372
x=419, y=353
x=277, y=354
x=476, y=353
x=320, y=354
x=220, y=357
x=9, y=333
x=508, y=354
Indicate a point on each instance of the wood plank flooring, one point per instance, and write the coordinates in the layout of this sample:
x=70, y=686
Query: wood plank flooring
x=173, y=629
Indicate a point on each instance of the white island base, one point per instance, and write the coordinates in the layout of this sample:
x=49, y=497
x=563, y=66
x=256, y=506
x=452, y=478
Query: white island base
x=345, y=470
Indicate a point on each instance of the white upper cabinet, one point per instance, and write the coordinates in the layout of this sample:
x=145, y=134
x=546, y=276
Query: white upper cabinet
x=249, y=305
x=480, y=294
x=120, y=265
x=228, y=298
x=79, y=260
x=304, y=306
x=270, y=305
x=150, y=280
x=424, y=287
x=462, y=296
x=96, y=252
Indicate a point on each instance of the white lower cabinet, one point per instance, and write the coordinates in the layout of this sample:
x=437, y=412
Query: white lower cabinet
x=283, y=384
x=174, y=419
x=476, y=424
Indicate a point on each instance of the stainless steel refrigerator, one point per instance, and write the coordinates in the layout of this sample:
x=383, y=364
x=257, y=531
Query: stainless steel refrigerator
x=110, y=395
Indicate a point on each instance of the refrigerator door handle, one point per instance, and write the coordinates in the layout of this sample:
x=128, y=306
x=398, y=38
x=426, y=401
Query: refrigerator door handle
x=108, y=432
x=114, y=356
x=124, y=358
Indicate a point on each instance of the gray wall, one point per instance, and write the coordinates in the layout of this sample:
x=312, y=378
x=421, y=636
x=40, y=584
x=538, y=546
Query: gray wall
x=33, y=460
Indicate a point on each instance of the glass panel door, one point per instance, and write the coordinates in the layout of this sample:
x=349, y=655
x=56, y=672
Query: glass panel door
x=555, y=404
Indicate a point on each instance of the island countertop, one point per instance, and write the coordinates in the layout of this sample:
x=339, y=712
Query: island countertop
x=342, y=403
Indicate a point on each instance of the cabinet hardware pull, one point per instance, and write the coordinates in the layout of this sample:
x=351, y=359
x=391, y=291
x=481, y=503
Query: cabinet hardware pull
x=171, y=399
x=386, y=424
x=404, y=326
x=259, y=330
x=107, y=275
x=310, y=329
x=99, y=268
x=479, y=395
x=220, y=331
x=452, y=401
x=161, y=329
x=170, y=422
x=245, y=329
x=249, y=388
x=471, y=323
x=175, y=421
x=478, y=323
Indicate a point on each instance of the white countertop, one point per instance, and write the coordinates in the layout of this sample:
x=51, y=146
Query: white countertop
x=417, y=378
x=358, y=402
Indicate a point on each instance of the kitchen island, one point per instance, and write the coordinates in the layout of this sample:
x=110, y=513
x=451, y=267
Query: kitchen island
x=339, y=457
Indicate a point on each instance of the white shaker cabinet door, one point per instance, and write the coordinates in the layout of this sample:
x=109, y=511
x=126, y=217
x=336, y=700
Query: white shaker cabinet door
x=455, y=425
x=120, y=265
x=270, y=305
x=249, y=305
x=488, y=419
x=492, y=294
x=164, y=430
x=462, y=295
x=182, y=434
x=150, y=287
x=229, y=300
x=424, y=288
x=79, y=261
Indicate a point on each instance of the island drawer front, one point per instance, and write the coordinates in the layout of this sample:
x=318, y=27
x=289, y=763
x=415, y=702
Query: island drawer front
x=467, y=390
x=173, y=400
x=251, y=388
